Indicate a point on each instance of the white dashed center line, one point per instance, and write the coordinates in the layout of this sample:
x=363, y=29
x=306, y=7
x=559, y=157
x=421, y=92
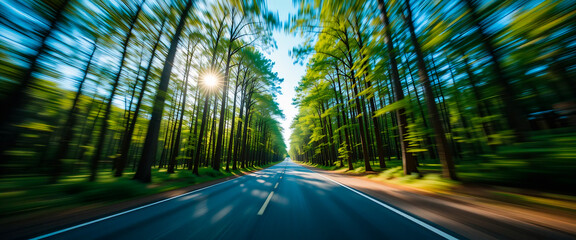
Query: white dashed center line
x=263, y=208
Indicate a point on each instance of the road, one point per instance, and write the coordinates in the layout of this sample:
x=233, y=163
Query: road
x=285, y=201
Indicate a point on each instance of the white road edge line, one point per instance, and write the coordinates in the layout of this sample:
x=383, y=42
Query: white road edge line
x=131, y=210
x=413, y=219
x=263, y=208
x=276, y=185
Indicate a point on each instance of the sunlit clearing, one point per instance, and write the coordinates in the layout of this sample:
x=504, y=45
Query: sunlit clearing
x=210, y=80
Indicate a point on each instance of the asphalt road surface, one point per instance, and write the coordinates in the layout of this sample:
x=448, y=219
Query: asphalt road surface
x=285, y=201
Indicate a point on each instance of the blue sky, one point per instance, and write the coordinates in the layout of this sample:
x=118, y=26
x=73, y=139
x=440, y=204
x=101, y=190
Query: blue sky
x=285, y=67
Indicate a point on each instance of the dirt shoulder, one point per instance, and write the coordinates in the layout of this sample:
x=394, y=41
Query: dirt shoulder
x=471, y=216
x=32, y=225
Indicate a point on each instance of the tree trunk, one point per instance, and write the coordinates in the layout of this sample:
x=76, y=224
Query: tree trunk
x=144, y=173
x=169, y=133
x=210, y=147
x=231, y=137
x=375, y=122
x=200, y=137
x=345, y=121
x=176, y=143
x=408, y=160
x=448, y=169
x=427, y=140
x=193, y=131
x=108, y=109
x=244, y=151
x=363, y=127
x=127, y=138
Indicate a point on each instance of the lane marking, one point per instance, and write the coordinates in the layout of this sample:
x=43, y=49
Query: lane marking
x=276, y=185
x=136, y=209
x=413, y=219
x=263, y=208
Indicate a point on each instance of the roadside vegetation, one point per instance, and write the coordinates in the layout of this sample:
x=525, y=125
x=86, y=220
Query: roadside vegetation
x=29, y=196
x=462, y=92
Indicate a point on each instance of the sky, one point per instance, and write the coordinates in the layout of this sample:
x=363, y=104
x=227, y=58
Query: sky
x=284, y=65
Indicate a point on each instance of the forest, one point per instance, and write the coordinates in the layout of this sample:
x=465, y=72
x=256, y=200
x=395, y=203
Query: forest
x=473, y=91
x=150, y=90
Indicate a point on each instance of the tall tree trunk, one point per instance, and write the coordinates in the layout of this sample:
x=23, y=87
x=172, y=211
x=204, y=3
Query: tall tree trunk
x=127, y=138
x=176, y=139
x=358, y=102
x=244, y=151
x=354, y=131
x=345, y=121
x=128, y=104
x=193, y=129
x=408, y=160
x=339, y=126
x=212, y=127
x=176, y=142
x=105, y=119
x=144, y=173
x=238, y=132
x=444, y=153
x=231, y=137
x=200, y=138
x=169, y=133
x=375, y=122
x=427, y=140
x=394, y=120
x=437, y=91
x=219, y=139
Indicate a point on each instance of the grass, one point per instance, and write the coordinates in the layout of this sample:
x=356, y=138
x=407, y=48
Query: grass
x=393, y=173
x=30, y=194
x=359, y=167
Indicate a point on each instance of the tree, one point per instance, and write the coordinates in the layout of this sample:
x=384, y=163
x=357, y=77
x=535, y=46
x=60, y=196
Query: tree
x=408, y=161
x=131, y=123
x=143, y=173
x=71, y=119
x=101, y=137
x=441, y=143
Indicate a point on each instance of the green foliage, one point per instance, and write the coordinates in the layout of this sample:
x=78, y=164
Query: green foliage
x=415, y=137
x=402, y=104
x=395, y=172
x=343, y=151
x=545, y=163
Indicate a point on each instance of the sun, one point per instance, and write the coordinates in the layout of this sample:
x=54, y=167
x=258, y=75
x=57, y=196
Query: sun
x=210, y=80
